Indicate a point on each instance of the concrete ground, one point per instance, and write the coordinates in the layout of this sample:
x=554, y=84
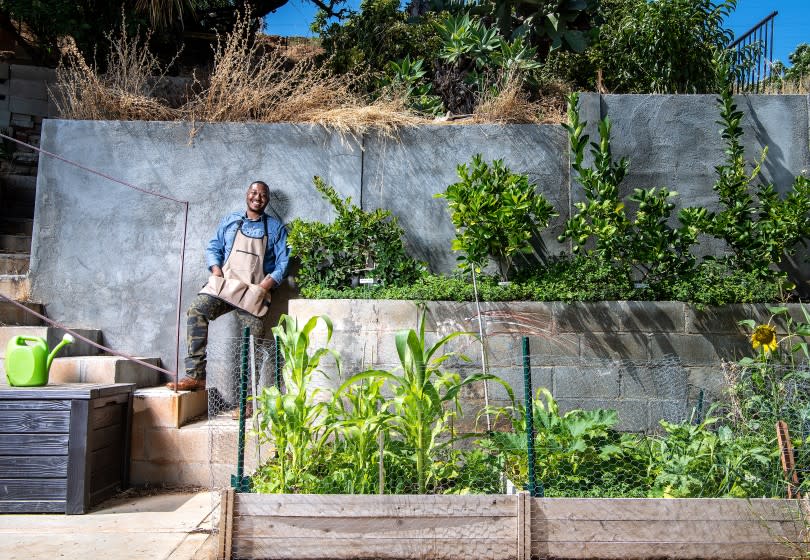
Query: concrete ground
x=163, y=526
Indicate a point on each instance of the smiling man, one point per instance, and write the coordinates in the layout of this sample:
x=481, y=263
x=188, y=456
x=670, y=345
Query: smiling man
x=246, y=258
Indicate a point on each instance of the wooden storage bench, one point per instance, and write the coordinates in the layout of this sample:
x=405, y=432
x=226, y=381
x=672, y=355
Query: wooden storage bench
x=63, y=447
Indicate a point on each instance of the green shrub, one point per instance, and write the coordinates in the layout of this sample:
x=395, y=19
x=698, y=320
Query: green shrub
x=356, y=244
x=603, y=228
x=496, y=213
x=758, y=225
x=665, y=46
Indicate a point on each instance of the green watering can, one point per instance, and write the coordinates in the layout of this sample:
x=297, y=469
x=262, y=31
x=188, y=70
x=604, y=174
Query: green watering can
x=28, y=361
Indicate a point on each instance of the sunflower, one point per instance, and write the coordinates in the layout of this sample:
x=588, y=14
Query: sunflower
x=765, y=336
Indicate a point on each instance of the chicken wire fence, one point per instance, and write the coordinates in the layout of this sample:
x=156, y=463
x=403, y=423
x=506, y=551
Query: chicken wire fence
x=602, y=428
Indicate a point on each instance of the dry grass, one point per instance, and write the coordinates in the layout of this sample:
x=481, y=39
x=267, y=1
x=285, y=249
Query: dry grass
x=512, y=105
x=124, y=92
x=250, y=82
x=801, y=86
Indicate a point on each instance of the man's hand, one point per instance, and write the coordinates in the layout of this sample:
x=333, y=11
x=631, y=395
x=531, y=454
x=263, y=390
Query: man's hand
x=216, y=271
x=268, y=283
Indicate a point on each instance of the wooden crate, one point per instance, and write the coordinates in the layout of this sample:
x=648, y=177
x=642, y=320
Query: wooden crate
x=63, y=448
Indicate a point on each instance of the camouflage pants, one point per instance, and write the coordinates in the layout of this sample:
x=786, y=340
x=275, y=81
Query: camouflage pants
x=203, y=310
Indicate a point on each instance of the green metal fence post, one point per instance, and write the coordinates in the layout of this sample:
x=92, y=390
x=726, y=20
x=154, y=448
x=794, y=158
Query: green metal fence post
x=277, y=365
x=240, y=482
x=535, y=489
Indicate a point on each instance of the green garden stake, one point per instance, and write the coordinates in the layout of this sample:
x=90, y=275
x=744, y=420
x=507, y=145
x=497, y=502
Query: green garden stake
x=240, y=482
x=535, y=489
x=277, y=365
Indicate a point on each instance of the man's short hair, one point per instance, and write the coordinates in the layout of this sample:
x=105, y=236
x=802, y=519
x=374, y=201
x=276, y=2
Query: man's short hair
x=262, y=183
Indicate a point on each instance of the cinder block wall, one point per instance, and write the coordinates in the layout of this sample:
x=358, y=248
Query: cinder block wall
x=648, y=360
x=106, y=257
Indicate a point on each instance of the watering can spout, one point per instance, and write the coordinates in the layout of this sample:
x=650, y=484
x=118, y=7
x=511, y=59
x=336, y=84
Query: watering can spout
x=67, y=339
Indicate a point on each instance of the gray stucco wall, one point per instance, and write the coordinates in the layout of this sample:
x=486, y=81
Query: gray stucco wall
x=105, y=257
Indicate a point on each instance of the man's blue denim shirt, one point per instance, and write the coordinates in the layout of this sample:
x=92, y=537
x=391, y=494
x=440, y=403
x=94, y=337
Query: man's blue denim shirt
x=276, y=256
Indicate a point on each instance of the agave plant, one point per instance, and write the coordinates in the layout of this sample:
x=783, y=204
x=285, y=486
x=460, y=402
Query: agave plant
x=293, y=420
x=425, y=398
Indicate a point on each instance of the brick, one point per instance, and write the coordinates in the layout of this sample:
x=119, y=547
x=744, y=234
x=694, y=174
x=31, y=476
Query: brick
x=11, y=314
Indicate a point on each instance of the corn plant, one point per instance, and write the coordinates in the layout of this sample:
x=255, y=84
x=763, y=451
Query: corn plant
x=425, y=398
x=293, y=420
x=359, y=418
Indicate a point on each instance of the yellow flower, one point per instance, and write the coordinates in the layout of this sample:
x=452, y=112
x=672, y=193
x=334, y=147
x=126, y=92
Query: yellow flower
x=765, y=336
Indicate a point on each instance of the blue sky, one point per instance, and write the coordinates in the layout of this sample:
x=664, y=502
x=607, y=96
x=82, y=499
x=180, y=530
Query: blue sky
x=791, y=27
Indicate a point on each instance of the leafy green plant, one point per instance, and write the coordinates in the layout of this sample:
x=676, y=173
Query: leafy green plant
x=666, y=46
x=482, y=58
x=696, y=461
x=602, y=228
x=495, y=212
x=758, y=225
x=357, y=243
x=408, y=79
x=578, y=453
x=425, y=398
x=292, y=420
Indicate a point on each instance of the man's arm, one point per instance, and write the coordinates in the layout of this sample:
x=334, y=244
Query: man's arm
x=215, y=252
x=281, y=253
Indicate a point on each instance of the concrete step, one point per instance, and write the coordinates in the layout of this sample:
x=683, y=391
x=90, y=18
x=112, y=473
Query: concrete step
x=16, y=226
x=18, y=193
x=15, y=243
x=104, y=369
x=15, y=286
x=14, y=263
x=10, y=314
x=52, y=336
x=201, y=453
x=161, y=407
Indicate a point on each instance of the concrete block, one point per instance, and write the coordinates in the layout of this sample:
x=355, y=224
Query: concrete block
x=699, y=350
x=668, y=410
x=52, y=336
x=584, y=383
x=631, y=346
x=5, y=114
x=556, y=349
x=164, y=408
x=103, y=369
x=23, y=120
x=633, y=414
x=4, y=71
x=15, y=286
x=619, y=316
x=710, y=379
x=11, y=314
x=26, y=72
x=15, y=243
x=663, y=379
x=29, y=89
x=14, y=263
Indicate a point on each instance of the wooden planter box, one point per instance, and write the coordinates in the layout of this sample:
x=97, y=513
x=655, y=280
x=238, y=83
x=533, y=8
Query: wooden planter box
x=63, y=448
x=502, y=527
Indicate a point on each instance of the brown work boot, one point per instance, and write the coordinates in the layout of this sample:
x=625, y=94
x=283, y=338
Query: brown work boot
x=187, y=384
x=248, y=412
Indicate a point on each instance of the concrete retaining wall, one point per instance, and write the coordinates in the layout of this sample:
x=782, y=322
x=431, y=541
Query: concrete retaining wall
x=648, y=360
x=105, y=257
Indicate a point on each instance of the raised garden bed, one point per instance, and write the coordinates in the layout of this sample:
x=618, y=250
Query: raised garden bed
x=505, y=527
x=63, y=448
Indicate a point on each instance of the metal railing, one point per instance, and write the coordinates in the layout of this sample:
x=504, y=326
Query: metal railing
x=753, y=55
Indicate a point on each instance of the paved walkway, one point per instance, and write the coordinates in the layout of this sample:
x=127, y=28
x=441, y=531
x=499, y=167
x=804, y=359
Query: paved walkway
x=165, y=526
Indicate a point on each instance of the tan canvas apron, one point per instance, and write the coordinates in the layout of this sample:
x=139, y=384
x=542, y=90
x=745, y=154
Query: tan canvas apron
x=242, y=272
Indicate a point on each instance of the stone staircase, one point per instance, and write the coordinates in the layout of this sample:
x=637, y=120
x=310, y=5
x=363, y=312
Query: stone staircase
x=173, y=443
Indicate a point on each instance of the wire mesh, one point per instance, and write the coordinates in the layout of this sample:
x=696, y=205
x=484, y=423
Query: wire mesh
x=602, y=428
